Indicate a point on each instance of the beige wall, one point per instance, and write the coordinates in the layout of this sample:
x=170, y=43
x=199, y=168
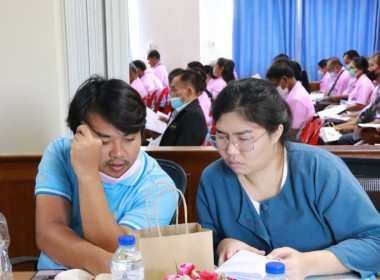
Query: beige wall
x=32, y=87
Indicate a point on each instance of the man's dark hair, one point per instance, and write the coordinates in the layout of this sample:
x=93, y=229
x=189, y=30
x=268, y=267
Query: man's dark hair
x=280, y=56
x=139, y=64
x=334, y=61
x=174, y=73
x=280, y=69
x=351, y=54
x=154, y=53
x=114, y=100
x=254, y=99
x=194, y=64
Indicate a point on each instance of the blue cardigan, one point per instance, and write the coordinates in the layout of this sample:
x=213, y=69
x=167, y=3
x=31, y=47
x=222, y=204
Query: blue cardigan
x=321, y=206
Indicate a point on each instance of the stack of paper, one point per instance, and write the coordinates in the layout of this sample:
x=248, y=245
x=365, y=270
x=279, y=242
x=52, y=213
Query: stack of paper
x=153, y=122
x=332, y=111
x=244, y=265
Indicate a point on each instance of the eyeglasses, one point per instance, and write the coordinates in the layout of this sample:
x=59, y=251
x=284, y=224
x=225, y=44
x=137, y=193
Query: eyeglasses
x=221, y=142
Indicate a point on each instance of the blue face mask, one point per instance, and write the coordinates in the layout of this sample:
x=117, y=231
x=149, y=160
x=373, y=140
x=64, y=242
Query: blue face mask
x=332, y=74
x=176, y=102
x=352, y=73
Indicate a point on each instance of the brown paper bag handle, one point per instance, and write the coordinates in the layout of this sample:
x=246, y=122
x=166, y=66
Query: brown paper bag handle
x=147, y=207
x=184, y=207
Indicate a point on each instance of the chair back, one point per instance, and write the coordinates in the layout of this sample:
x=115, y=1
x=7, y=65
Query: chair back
x=178, y=175
x=367, y=171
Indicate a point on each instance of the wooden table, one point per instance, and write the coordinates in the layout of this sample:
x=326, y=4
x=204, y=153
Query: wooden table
x=23, y=275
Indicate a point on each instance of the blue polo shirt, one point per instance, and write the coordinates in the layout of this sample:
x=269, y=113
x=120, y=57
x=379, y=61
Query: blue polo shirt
x=126, y=199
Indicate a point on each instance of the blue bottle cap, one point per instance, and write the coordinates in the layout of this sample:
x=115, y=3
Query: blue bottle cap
x=127, y=240
x=275, y=268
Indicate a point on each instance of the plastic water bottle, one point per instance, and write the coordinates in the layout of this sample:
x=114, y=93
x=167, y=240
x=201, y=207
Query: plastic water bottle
x=275, y=270
x=5, y=265
x=127, y=262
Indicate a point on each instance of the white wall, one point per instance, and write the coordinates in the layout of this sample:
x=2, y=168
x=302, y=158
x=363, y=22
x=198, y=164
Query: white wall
x=216, y=29
x=171, y=27
x=32, y=87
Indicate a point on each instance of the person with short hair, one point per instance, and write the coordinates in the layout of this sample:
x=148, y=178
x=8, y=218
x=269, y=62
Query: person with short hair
x=148, y=83
x=135, y=81
x=187, y=124
x=349, y=56
x=340, y=77
x=159, y=69
x=282, y=76
x=92, y=187
x=281, y=199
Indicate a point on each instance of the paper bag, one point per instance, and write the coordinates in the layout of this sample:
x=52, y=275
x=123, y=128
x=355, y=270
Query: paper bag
x=166, y=247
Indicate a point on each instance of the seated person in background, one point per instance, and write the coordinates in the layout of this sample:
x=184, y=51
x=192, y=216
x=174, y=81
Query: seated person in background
x=209, y=72
x=224, y=73
x=300, y=74
x=159, y=69
x=285, y=200
x=340, y=77
x=187, y=123
x=362, y=88
x=282, y=76
x=91, y=187
x=348, y=57
x=325, y=82
x=135, y=81
x=148, y=83
x=348, y=127
x=205, y=97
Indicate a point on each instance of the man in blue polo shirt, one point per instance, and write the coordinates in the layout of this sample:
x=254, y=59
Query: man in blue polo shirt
x=92, y=187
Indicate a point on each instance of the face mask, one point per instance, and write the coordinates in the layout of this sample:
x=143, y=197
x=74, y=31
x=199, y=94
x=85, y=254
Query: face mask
x=320, y=72
x=332, y=74
x=176, y=102
x=352, y=73
x=372, y=75
x=282, y=92
x=108, y=179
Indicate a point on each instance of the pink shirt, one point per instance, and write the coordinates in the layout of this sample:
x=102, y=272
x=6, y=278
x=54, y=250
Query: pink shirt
x=325, y=83
x=156, y=82
x=350, y=86
x=342, y=83
x=148, y=83
x=301, y=105
x=361, y=91
x=139, y=87
x=215, y=86
x=374, y=95
x=161, y=73
x=205, y=103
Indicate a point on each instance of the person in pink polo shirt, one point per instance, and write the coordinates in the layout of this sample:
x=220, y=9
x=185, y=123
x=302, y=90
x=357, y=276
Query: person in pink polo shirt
x=325, y=82
x=340, y=77
x=282, y=76
x=224, y=73
x=135, y=81
x=145, y=79
x=159, y=68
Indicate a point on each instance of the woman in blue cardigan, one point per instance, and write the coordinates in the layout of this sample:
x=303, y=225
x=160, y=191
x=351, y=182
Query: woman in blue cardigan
x=282, y=199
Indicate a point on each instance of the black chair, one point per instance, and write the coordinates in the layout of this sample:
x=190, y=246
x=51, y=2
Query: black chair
x=367, y=171
x=178, y=175
x=24, y=260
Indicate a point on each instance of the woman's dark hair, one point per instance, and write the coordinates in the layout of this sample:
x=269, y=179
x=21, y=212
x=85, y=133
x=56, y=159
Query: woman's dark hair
x=322, y=63
x=139, y=64
x=280, y=69
x=228, y=69
x=196, y=77
x=194, y=64
x=114, y=100
x=280, y=56
x=208, y=70
x=256, y=101
x=361, y=63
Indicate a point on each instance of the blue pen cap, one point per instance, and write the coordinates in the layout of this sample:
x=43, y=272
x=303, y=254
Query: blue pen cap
x=275, y=268
x=126, y=240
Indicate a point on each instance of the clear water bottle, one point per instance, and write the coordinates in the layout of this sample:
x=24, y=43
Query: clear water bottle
x=275, y=270
x=5, y=265
x=127, y=262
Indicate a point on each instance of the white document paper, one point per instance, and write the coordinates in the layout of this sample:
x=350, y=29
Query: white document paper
x=336, y=117
x=153, y=123
x=373, y=125
x=244, y=265
x=316, y=96
x=329, y=134
x=332, y=111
